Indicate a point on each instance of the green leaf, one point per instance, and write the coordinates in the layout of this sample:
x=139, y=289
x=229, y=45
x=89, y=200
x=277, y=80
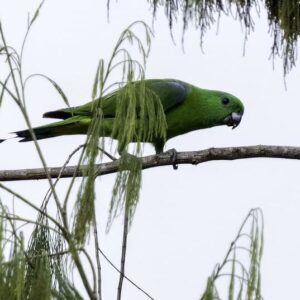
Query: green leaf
x=36, y=14
x=96, y=82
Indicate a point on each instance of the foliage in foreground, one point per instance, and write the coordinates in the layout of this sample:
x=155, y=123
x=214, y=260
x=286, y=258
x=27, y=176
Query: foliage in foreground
x=40, y=271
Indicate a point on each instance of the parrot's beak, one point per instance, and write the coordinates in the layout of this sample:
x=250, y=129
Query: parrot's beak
x=233, y=119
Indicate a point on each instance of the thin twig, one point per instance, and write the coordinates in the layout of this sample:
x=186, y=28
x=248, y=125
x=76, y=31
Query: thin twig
x=128, y=279
x=93, y=270
x=73, y=176
x=96, y=238
x=60, y=253
x=49, y=192
x=8, y=90
x=107, y=154
x=232, y=245
x=123, y=254
x=32, y=205
x=81, y=270
x=27, y=221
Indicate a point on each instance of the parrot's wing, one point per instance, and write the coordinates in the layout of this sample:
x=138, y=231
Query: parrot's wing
x=108, y=107
x=171, y=93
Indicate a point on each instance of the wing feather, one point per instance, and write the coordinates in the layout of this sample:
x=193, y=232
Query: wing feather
x=170, y=91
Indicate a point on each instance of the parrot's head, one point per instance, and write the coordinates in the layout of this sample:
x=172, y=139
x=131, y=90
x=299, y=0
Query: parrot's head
x=216, y=108
x=226, y=109
x=233, y=109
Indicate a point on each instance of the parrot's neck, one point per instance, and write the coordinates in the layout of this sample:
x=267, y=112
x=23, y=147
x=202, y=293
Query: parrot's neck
x=198, y=111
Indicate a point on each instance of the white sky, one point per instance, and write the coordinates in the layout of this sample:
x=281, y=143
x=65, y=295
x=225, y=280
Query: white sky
x=186, y=219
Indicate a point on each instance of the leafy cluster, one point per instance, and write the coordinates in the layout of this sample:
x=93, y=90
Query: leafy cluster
x=35, y=273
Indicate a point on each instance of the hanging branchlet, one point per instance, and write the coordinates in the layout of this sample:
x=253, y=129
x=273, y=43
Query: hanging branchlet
x=203, y=14
x=241, y=265
x=126, y=189
x=84, y=209
x=283, y=16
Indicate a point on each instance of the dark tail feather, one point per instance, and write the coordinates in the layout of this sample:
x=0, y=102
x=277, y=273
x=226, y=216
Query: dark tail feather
x=48, y=131
x=58, y=114
x=40, y=133
x=1, y=141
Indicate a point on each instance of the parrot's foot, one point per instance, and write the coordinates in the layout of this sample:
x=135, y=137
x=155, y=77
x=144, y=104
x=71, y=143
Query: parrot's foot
x=173, y=154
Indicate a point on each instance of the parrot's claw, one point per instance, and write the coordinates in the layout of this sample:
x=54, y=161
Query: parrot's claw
x=173, y=154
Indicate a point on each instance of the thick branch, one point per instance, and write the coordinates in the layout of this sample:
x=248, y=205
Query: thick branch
x=164, y=159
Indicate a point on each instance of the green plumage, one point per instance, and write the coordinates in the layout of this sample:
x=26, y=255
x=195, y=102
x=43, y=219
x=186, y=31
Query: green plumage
x=186, y=108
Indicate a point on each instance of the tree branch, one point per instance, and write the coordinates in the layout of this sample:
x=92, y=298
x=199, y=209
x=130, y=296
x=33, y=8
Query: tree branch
x=164, y=159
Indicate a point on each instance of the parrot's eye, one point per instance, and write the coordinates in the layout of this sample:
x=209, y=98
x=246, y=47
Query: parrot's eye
x=225, y=100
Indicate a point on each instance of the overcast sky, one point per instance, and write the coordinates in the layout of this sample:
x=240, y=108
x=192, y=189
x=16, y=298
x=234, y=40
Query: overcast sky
x=187, y=218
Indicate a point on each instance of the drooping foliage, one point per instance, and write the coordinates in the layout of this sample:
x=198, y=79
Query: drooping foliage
x=139, y=115
x=283, y=17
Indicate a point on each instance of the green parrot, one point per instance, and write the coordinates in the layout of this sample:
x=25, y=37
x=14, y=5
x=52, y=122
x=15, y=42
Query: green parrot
x=186, y=107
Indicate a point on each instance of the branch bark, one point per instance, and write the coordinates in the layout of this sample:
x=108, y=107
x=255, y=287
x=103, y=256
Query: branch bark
x=164, y=159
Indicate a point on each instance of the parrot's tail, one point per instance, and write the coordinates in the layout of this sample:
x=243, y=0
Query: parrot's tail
x=44, y=132
x=39, y=133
